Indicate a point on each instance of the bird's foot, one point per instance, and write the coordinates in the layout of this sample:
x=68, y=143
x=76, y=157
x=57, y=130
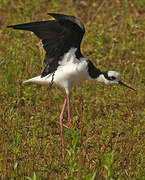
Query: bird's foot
x=86, y=154
x=70, y=120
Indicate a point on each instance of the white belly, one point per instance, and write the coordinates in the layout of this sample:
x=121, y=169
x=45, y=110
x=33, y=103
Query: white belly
x=65, y=76
x=70, y=74
x=70, y=71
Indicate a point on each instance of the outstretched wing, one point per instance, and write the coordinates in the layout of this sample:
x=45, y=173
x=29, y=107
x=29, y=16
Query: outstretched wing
x=57, y=36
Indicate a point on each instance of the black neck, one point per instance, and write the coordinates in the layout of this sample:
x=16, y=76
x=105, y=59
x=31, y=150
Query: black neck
x=93, y=71
x=78, y=53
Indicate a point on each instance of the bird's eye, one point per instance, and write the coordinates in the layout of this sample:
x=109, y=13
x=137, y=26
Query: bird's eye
x=112, y=78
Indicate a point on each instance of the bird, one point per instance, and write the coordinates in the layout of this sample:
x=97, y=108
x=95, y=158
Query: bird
x=65, y=64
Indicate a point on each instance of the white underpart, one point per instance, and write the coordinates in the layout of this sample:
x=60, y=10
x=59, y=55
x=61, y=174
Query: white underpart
x=70, y=71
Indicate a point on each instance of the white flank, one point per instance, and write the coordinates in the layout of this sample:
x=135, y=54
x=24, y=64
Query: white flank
x=70, y=71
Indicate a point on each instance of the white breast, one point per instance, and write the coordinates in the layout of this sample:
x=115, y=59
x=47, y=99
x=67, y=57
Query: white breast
x=70, y=71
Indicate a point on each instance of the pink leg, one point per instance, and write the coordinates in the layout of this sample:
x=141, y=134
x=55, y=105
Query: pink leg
x=67, y=101
x=61, y=126
x=86, y=154
x=68, y=107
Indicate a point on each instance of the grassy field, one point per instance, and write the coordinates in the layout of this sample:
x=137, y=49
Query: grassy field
x=107, y=120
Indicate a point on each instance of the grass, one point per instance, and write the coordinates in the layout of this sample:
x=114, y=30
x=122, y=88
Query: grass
x=107, y=120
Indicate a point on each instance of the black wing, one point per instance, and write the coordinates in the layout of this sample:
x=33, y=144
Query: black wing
x=57, y=36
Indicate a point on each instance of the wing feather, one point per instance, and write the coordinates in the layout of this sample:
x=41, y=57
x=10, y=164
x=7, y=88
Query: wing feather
x=57, y=36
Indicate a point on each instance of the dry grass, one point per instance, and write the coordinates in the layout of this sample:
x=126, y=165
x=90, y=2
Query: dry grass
x=109, y=120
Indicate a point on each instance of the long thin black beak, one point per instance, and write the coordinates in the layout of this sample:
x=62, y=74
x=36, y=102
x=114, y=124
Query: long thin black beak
x=126, y=85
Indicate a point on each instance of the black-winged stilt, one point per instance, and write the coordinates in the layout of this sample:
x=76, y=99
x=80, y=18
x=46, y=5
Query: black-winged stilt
x=65, y=64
